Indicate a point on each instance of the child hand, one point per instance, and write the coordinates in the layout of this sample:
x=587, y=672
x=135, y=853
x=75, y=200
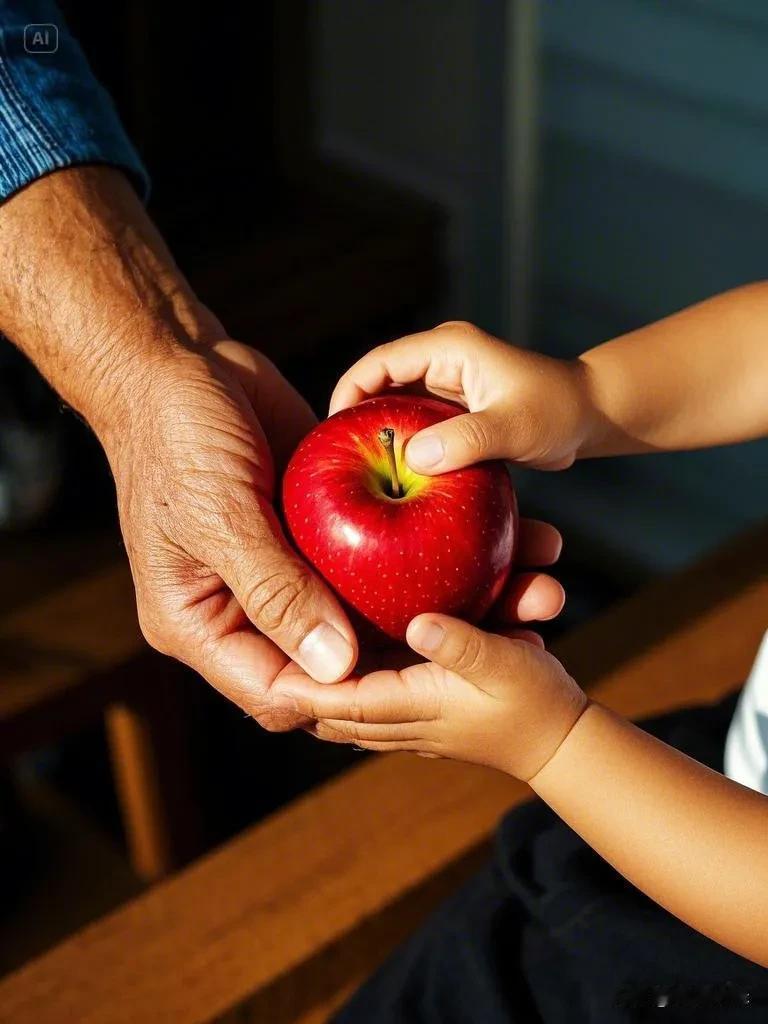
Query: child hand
x=523, y=406
x=493, y=700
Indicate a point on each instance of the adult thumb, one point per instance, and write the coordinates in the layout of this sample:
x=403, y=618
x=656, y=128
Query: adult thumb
x=283, y=598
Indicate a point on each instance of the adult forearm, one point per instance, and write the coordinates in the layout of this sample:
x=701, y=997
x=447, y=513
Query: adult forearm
x=695, y=379
x=690, y=838
x=89, y=291
x=191, y=422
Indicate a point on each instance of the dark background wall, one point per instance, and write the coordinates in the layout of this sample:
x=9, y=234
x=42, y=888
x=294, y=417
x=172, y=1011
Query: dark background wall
x=652, y=193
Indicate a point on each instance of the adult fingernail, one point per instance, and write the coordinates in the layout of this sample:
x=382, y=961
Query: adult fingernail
x=430, y=636
x=325, y=653
x=424, y=451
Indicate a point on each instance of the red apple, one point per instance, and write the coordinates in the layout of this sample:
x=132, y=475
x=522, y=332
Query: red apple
x=445, y=544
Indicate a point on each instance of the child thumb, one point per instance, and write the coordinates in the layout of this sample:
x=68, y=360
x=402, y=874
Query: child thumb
x=457, y=646
x=457, y=442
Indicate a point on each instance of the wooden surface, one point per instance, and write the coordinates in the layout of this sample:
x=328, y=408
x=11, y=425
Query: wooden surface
x=34, y=564
x=76, y=653
x=283, y=920
x=148, y=736
x=336, y=255
x=60, y=656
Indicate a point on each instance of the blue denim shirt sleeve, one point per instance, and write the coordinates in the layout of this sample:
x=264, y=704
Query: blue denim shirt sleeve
x=53, y=112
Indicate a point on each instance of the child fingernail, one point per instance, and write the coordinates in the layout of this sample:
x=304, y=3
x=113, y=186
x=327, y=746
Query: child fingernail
x=424, y=451
x=430, y=636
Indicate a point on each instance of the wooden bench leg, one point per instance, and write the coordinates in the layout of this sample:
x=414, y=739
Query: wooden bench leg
x=147, y=740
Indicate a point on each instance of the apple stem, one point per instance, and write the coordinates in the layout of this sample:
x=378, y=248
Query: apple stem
x=387, y=440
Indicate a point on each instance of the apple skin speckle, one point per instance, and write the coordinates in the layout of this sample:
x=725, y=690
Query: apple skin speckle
x=446, y=546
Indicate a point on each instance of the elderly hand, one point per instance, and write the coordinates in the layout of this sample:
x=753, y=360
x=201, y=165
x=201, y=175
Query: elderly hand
x=195, y=427
x=216, y=583
x=190, y=422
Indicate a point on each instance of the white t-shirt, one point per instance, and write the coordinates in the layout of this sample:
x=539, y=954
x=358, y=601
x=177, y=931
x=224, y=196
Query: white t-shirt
x=746, y=746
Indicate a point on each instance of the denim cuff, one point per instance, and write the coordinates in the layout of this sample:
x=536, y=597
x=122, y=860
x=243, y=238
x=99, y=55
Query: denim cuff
x=53, y=112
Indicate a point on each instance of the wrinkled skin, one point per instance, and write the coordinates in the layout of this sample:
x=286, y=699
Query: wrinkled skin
x=195, y=426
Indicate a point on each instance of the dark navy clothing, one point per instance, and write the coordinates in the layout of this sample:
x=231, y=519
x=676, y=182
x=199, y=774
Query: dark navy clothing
x=549, y=932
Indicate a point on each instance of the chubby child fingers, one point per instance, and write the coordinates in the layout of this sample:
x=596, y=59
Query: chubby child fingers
x=446, y=359
x=339, y=731
x=404, y=361
x=459, y=647
x=375, y=698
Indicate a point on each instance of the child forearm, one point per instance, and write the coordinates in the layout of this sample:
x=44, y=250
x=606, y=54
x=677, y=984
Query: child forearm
x=691, y=839
x=697, y=378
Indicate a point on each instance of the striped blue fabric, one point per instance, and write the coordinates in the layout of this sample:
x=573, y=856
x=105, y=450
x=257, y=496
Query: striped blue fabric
x=53, y=112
